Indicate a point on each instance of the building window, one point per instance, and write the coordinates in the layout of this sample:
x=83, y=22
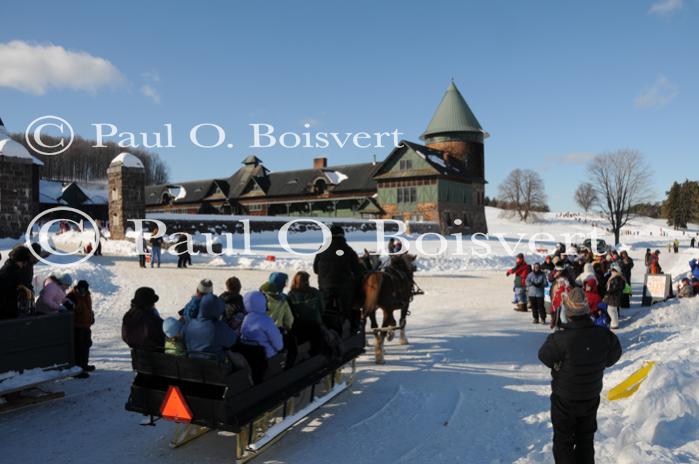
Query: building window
x=255, y=207
x=407, y=195
x=405, y=165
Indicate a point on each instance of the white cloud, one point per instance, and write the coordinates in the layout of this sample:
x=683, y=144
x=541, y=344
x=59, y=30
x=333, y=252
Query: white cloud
x=148, y=89
x=578, y=158
x=150, y=92
x=36, y=68
x=665, y=7
x=659, y=94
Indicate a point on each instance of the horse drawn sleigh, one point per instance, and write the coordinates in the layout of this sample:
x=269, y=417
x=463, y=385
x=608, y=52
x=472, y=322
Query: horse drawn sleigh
x=258, y=406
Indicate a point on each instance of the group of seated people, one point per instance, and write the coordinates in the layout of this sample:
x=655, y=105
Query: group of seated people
x=58, y=293
x=210, y=326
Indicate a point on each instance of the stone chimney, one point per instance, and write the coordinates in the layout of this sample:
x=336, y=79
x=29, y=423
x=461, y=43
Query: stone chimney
x=320, y=163
x=127, y=196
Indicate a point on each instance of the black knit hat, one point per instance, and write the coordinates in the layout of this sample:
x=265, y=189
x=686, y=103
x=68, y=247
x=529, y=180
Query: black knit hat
x=82, y=284
x=20, y=254
x=145, y=296
x=337, y=231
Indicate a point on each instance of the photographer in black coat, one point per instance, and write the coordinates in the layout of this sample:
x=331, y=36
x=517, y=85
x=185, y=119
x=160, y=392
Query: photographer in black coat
x=338, y=273
x=577, y=357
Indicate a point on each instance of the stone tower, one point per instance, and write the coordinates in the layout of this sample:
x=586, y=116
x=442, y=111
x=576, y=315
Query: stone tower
x=17, y=199
x=457, y=134
x=455, y=131
x=127, y=197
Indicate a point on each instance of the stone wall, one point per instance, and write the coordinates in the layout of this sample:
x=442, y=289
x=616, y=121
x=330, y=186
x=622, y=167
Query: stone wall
x=127, y=198
x=16, y=196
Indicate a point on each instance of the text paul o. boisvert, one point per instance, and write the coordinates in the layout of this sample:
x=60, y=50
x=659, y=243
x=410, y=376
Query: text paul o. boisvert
x=262, y=135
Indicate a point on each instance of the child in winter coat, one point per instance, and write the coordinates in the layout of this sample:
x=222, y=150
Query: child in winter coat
x=258, y=327
x=536, y=283
x=207, y=333
x=615, y=290
x=278, y=306
x=685, y=289
x=235, y=309
x=53, y=294
x=172, y=328
x=520, y=271
x=80, y=299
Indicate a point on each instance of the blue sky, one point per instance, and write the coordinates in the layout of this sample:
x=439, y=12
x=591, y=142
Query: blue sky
x=553, y=82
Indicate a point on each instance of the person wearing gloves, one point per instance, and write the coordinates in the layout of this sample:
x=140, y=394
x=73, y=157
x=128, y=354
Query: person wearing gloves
x=577, y=357
x=207, y=333
x=520, y=271
x=53, y=295
x=172, y=328
x=258, y=327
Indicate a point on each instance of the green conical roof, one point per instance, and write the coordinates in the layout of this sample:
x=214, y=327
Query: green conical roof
x=452, y=115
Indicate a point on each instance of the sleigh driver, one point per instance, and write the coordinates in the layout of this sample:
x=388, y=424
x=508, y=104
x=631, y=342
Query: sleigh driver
x=339, y=280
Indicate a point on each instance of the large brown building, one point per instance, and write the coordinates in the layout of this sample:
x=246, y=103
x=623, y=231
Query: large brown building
x=441, y=182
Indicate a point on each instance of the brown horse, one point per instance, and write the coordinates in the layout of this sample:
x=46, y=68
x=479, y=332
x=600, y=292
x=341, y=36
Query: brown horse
x=389, y=290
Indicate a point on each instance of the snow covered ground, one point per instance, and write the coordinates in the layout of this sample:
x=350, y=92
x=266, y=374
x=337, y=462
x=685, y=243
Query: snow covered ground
x=468, y=389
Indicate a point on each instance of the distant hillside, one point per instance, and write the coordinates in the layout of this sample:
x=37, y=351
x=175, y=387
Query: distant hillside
x=84, y=162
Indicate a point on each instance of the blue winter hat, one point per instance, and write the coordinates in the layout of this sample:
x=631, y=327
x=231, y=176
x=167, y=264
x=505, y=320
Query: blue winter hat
x=279, y=279
x=211, y=307
x=172, y=327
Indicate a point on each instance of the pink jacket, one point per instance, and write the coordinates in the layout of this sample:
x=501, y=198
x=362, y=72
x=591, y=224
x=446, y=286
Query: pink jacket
x=50, y=298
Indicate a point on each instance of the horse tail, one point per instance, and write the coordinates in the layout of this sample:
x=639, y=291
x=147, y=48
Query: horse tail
x=372, y=290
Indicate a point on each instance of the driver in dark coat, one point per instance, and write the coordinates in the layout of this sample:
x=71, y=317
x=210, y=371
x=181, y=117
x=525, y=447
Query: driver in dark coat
x=338, y=273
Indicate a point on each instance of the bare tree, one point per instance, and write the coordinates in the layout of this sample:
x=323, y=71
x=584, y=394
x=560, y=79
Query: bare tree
x=621, y=179
x=523, y=192
x=586, y=196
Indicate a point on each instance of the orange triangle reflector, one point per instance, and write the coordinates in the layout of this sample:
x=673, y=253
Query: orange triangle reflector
x=174, y=406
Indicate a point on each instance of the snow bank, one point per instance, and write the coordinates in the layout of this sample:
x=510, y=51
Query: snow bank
x=660, y=423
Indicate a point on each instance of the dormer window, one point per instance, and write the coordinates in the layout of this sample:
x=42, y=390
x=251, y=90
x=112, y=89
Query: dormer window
x=319, y=187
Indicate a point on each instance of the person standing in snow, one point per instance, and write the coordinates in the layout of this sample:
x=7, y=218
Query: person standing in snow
x=615, y=291
x=536, y=283
x=520, y=271
x=692, y=242
x=654, y=266
x=84, y=318
x=648, y=259
x=626, y=265
x=676, y=246
x=156, y=247
x=577, y=357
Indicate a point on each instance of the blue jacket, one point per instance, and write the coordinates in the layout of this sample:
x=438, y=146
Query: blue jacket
x=695, y=268
x=191, y=309
x=208, y=333
x=258, y=327
x=536, y=283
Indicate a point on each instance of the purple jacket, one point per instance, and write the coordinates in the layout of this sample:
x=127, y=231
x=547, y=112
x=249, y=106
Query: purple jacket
x=258, y=327
x=50, y=298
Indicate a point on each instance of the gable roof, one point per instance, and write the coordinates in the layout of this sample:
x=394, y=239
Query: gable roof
x=452, y=115
x=343, y=178
x=433, y=157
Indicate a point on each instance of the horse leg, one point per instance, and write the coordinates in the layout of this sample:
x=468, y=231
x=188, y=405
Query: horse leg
x=388, y=324
x=403, y=315
x=378, y=346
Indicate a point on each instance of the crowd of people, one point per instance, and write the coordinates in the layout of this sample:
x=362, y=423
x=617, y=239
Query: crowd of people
x=604, y=279
x=212, y=326
x=59, y=293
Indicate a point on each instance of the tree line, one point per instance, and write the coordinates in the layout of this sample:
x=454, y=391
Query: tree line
x=82, y=161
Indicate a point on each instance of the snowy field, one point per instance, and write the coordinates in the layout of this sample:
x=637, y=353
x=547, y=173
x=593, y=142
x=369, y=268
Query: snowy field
x=469, y=388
